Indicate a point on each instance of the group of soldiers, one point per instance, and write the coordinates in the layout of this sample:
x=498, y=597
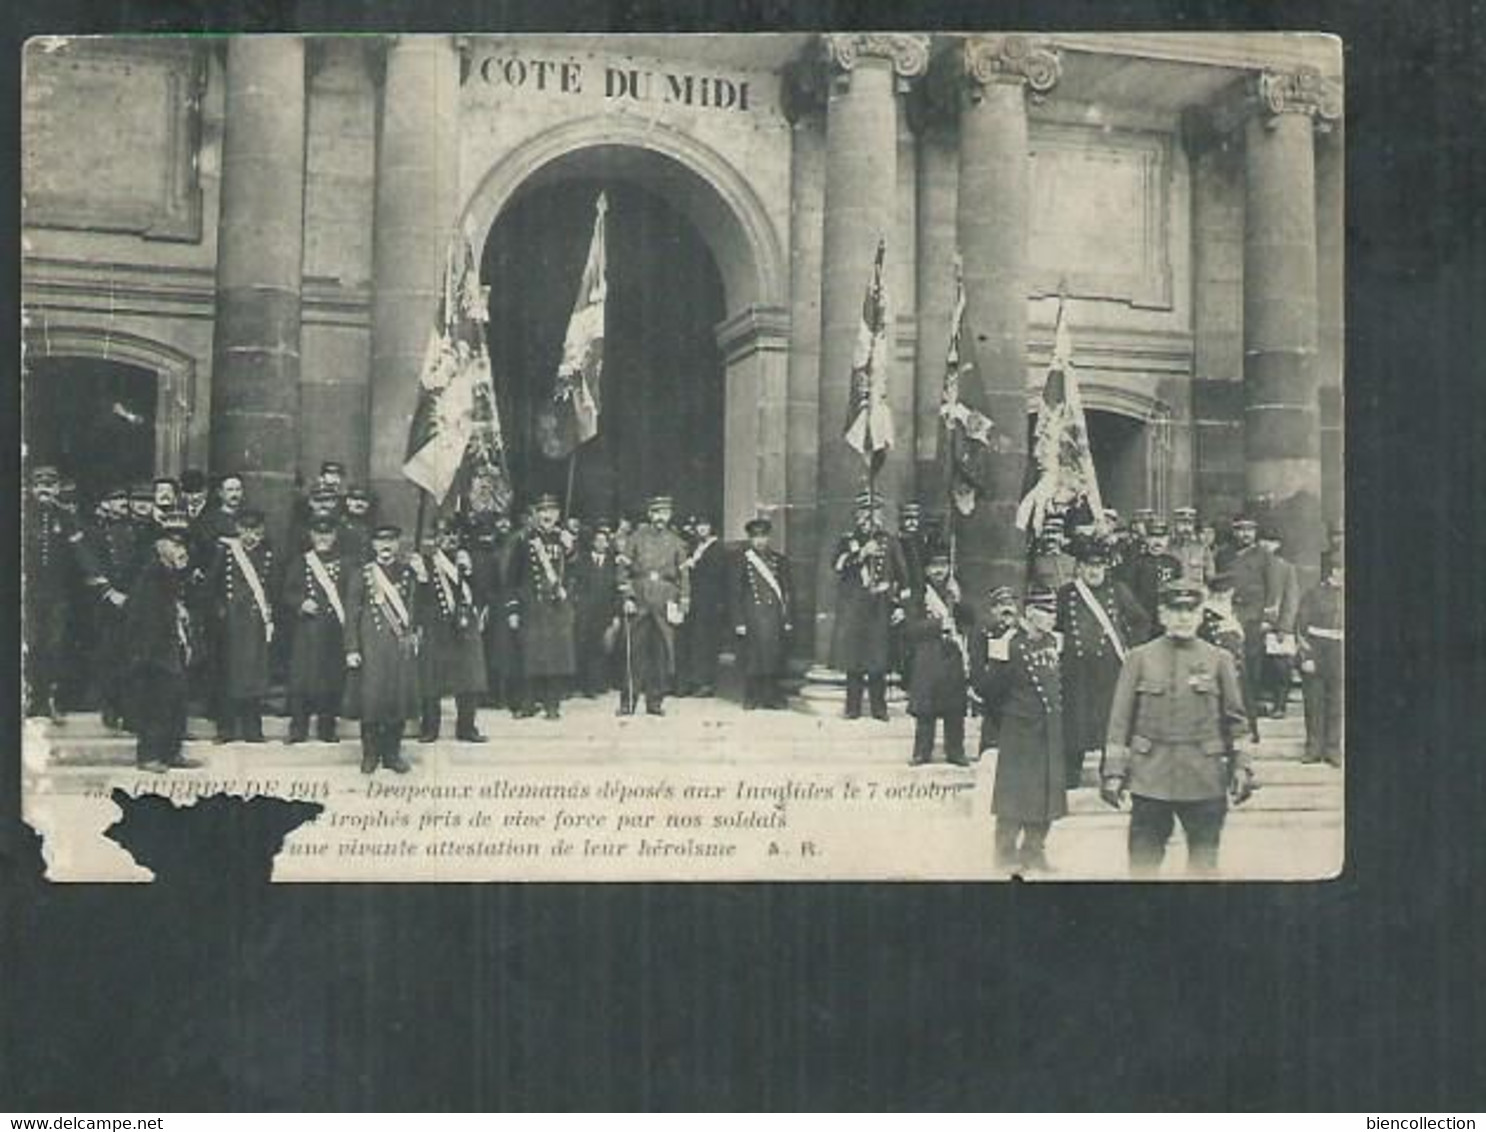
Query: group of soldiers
x=357, y=624
x=1155, y=649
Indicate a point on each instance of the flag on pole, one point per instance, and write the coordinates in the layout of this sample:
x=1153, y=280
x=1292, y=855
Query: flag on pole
x=1061, y=472
x=457, y=418
x=869, y=420
x=966, y=427
x=571, y=418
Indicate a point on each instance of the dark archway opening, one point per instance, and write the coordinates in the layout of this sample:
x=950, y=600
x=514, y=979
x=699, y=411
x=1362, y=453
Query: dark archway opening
x=92, y=418
x=662, y=423
x=1118, y=444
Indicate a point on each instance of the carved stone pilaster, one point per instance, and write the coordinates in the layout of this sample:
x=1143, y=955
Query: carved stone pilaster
x=909, y=54
x=1302, y=91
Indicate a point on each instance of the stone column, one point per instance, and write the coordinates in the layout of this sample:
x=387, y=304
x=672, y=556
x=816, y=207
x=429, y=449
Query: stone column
x=260, y=257
x=938, y=190
x=867, y=71
x=800, y=537
x=416, y=213
x=1331, y=237
x=1282, y=434
x=995, y=76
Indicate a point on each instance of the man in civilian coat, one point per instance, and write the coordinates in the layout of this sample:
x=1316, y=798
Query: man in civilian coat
x=596, y=593
x=872, y=585
x=451, y=617
x=156, y=653
x=939, y=631
x=244, y=587
x=539, y=609
x=761, y=610
x=382, y=649
x=314, y=604
x=1022, y=689
x=700, y=638
x=1100, y=621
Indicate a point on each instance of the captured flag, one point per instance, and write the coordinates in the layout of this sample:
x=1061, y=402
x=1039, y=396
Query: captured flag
x=457, y=418
x=869, y=420
x=966, y=428
x=1061, y=471
x=571, y=418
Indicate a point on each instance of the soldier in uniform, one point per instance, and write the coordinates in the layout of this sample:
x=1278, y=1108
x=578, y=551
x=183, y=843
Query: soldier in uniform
x=700, y=637
x=1052, y=566
x=1220, y=627
x=1257, y=589
x=157, y=653
x=1319, y=627
x=658, y=598
x=1152, y=570
x=52, y=544
x=1173, y=726
x=315, y=601
x=451, y=620
x=1277, y=673
x=1188, y=548
x=1022, y=690
x=1100, y=621
x=382, y=650
x=872, y=585
x=323, y=503
x=166, y=498
x=244, y=584
x=1003, y=612
x=539, y=607
x=914, y=542
x=938, y=627
x=596, y=594
x=357, y=526
x=761, y=609
x=111, y=565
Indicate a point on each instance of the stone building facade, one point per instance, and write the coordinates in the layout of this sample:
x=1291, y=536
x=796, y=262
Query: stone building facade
x=249, y=243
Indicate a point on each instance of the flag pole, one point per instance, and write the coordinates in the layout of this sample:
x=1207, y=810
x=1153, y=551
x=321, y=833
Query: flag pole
x=567, y=503
x=418, y=526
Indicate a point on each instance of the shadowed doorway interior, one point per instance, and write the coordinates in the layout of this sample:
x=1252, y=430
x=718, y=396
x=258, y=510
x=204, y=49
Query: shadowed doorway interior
x=93, y=418
x=662, y=422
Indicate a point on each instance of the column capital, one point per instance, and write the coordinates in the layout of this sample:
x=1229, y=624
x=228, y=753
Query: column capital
x=1304, y=90
x=909, y=54
x=980, y=60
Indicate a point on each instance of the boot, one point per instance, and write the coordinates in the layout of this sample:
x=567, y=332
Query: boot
x=464, y=728
x=428, y=732
x=299, y=728
x=877, y=690
x=325, y=730
x=653, y=706
x=392, y=751
x=854, y=687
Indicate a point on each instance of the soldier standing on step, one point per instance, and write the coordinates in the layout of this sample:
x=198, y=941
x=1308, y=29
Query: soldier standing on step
x=382, y=649
x=872, y=586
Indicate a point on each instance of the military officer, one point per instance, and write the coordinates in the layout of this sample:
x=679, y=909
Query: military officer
x=1278, y=669
x=314, y=598
x=357, y=526
x=539, y=608
x=1319, y=628
x=1003, y=613
x=157, y=653
x=658, y=599
x=1172, y=742
x=761, y=609
x=323, y=502
x=938, y=627
x=51, y=551
x=1152, y=570
x=451, y=620
x=1187, y=547
x=872, y=586
x=112, y=556
x=244, y=585
x=1021, y=689
x=596, y=594
x=699, y=640
x=1257, y=590
x=1100, y=621
x=193, y=493
x=1052, y=566
x=382, y=649
x=914, y=542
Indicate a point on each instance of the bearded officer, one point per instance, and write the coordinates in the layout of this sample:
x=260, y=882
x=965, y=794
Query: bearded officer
x=314, y=598
x=452, y=620
x=157, y=652
x=539, y=610
x=1173, y=736
x=761, y=605
x=658, y=600
x=382, y=649
x=244, y=585
x=872, y=586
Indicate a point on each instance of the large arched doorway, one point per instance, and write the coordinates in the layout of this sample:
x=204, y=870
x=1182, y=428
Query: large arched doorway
x=661, y=428
x=93, y=418
x=706, y=251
